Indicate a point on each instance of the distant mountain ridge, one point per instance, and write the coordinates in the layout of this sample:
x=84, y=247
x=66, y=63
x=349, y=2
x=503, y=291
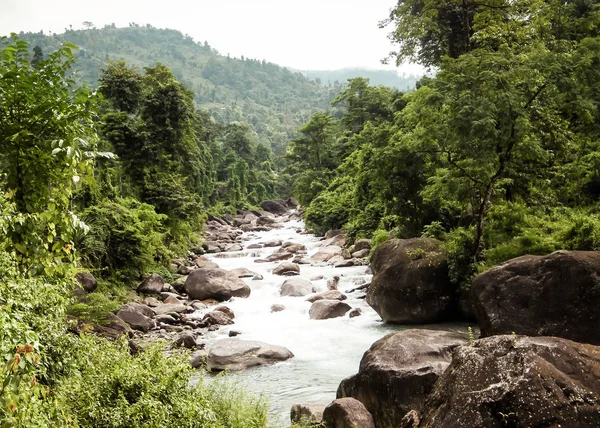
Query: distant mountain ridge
x=376, y=77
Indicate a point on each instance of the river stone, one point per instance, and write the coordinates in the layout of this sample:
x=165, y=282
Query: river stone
x=234, y=247
x=277, y=308
x=185, y=270
x=274, y=207
x=254, y=246
x=292, y=247
x=198, y=358
x=279, y=256
x=327, y=253
x=257, y=277
x=135, y=319
x=243, y=273
x=287, y=269
x=277, y=243
x=307, y=414
x=554, y=295
x=397, y=373
x=347, y=413
x=179, y=284
x=518, y=381
x=186, y=340
x=217, y=318
x=325, y=309
x=355, y=313
x=362, y=244
x=172, y=300
x=361, y=254
x=152, y=285
x=327, y=295
x=218, y=284
x=87, y=281
x=236, y=354
x=166, y=319
x=203, y=262
x=171, y=308
x=411, y=283
x=297, y=287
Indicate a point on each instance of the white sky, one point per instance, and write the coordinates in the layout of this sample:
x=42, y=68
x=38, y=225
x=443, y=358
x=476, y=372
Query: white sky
x=302, y=34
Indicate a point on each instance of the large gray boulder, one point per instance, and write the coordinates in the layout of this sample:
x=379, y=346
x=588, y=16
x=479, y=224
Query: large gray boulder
x=347, y=413
x=554, y=295
x=218, y=284
x=411, y=283
x=517, y=381
x=274, y=207
x=397, y=373
x=152, y=285
x=326, y=309
x=326, y=254
x=236, y=354
x=297, y=287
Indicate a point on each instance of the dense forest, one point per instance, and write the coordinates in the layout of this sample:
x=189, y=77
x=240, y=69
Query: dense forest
x=376, y=77
x=496, y=156
x=273, y=101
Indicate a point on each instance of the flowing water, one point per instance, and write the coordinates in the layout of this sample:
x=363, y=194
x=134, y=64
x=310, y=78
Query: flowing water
x=325, y=351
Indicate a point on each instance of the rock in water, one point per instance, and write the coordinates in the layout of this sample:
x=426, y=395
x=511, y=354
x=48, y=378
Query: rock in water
x=236, y=354
x=297, y=287
x=152, y=285
x=347, y=413
x=554, y=295
x=287, y=269
x=218, y=284
x=397, y=373
x=518, y=381
x=411, y=283
x=325, y=309
x=327, y=295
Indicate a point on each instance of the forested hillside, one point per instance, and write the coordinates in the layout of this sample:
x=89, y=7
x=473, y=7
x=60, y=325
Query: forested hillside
x=273, y=100
x=498, y=155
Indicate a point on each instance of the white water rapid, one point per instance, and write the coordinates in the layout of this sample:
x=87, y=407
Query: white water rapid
x=325, y=351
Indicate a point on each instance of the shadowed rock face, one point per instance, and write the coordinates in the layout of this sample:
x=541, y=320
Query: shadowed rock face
x=397, y=373
x=411, y=283
x=518, y=381
x=554, y=295
x=218, y=284
x=236, y=354
x=347, y=413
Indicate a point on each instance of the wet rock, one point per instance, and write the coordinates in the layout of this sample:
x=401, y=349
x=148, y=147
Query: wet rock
x=166, y=319
x=185, y=270
x=325, y=309
x=257, y=277
x=172, y=300
x=236, y=354
x=397, y=373
x=254, y=246
x=302, y=260
x=297, y=287
x=292, y=247
x=198, y=306
x=277, y=308
x=217, y=318
x=203, y=262
x=218, y=284
x=234, y=333
x=287, y=269
x=332, y=283
x=349, y=263
x=279, y=256
x=327, y=253
x=347, y=413
x=87, y=281
x=327, y=295
x=274, y=207
x=243, y=273
x=355, y=313
x=226, y=311
x=336, y=259
x=411, y=283
x=307, y=414
x=554, y=295
x=151, y=285
x=277, y=243
x=234, y=247
x=518, y=381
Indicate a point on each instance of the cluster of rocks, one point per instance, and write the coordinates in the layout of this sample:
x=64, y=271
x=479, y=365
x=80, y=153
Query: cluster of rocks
x=333, y=250
x=537, y=362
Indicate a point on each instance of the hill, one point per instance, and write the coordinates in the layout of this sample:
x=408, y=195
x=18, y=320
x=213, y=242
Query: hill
x=376, y=77
x=273, y=100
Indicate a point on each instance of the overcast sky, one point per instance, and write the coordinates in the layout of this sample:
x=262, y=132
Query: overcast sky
x=308, y=34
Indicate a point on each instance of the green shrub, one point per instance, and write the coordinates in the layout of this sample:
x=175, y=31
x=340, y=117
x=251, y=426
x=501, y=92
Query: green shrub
x=94, y=307
x=377, y=238
x=458, y=248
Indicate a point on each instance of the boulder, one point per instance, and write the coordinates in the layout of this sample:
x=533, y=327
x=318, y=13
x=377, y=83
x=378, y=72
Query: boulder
x=411, y=283
x=334, y=237
x=279, y=256
x=355, y=313
x=243, y=273
x=140, y=308
x=327, y=253
x=135, y=319
x=274, y=207
x=87, y=281
x=257, y=277
x=297, y=287
x=152, y=285
x=287, y=269
x=325, y=309
x=347, y=263
x=327, y=295
x=277, y=243
x=360, y=254
x=518, y=381
x=307, y=414
x=254, y=246
x=186, y=340
x=234, y=247
x=172, y=300
x=554, y=295
x=198, y=358
x=397, y=373
x=166, y=319
x=203, y=262
x=277, y=308
x=179, y=284
x=217, y=318
x=347, y=413
x=362, y=244
x=236, y=354
x=292, y=247
x=177, y=308
x=185, y=270
x=218, y=284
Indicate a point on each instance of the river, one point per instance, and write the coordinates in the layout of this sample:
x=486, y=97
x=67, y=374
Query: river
x=325, y=351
